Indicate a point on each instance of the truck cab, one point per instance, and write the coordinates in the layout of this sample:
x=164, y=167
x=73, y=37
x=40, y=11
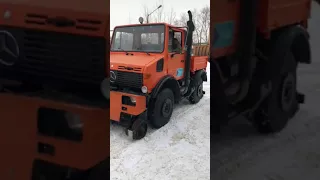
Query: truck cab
x=146, y=50
x=151, y=69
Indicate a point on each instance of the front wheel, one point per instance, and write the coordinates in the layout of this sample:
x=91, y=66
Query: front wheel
x=163, y=108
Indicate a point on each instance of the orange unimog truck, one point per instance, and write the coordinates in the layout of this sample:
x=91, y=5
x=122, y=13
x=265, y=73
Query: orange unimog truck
x=149, y=73
x=54, y=118
x=256, y=47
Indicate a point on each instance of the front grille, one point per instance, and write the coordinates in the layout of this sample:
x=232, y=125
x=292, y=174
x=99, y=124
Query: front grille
x=51, y=57
x=128, y=79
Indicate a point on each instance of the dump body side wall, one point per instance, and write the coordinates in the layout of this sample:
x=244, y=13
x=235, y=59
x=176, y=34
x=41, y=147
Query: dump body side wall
x=198, y=63
x=286, y=12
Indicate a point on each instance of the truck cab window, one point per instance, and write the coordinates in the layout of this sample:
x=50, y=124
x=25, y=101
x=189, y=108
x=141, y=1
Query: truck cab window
x=123, y=41
x=146, y=38
x=175, y=45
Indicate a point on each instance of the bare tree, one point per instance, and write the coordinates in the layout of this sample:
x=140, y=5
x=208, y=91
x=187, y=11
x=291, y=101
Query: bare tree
x=198, y=30
x=157, y=16
x=160, y=12
x=171, y=18
x=145, y=12
x=201, y=20
x=204, y=23
x=182, y=20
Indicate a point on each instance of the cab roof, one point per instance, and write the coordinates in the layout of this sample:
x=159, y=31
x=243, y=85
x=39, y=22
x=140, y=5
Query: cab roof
x=166, y=24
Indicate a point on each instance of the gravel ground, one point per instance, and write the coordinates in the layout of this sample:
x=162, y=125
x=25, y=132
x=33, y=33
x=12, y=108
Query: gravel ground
x=239, y=153
x=179, y=150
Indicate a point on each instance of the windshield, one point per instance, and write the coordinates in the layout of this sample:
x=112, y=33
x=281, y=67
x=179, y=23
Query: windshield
x=144, y=38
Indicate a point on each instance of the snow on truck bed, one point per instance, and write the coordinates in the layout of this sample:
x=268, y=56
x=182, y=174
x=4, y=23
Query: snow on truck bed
x=179, y=150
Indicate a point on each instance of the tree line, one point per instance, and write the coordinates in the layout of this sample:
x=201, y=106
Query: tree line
x=201, y=19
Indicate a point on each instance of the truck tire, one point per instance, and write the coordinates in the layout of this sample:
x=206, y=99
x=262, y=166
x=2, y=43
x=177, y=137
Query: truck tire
x=162, y=109
x=272, y=116
x=198, y=92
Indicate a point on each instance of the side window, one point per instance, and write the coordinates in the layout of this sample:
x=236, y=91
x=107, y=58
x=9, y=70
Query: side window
x=178, y=36
x=171, y=33
x=175, y=42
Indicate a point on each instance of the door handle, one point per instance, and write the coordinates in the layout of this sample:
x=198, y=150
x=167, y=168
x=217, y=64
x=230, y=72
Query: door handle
x=182, y=60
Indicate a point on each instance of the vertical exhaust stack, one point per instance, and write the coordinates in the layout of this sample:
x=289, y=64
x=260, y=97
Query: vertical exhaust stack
x=191, y=28
x=246, y=45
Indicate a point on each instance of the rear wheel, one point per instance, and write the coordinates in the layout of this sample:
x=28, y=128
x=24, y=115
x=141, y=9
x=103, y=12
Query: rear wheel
x=162, y=109
x=281, y=104
x=198, y=93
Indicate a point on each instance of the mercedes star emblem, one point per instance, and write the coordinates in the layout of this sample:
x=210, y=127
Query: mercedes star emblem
x=9, y=49
x=113, y=76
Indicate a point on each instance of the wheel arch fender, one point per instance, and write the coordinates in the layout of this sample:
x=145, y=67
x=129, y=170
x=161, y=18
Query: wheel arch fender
x=169, y=82
x=296, y=39
x=201, y=74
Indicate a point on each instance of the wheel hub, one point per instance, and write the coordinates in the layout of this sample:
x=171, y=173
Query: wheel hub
x=288, y=92
x=167, y=108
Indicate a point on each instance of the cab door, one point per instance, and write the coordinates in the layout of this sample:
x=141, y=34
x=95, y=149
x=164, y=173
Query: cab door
x=176, y=59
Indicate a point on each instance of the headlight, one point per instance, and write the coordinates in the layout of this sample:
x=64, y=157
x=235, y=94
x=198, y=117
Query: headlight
x=74, y=121
x=144, y=89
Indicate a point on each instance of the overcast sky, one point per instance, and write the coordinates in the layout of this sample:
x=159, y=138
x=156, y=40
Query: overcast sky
x=123, y=10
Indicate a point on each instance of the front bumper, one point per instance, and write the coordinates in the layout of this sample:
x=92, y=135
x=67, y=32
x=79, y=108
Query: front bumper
x=119, y=110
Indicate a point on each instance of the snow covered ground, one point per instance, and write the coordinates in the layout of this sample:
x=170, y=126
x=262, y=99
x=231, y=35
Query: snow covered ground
x=178, y=151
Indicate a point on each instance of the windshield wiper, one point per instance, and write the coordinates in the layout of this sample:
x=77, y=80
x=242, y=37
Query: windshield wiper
x=148, y=53
x=123, y=50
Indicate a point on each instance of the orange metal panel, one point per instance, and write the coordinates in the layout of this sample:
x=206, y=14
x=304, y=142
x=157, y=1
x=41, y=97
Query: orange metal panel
x=198, y=62
x=19, y=137
x=116, y=105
